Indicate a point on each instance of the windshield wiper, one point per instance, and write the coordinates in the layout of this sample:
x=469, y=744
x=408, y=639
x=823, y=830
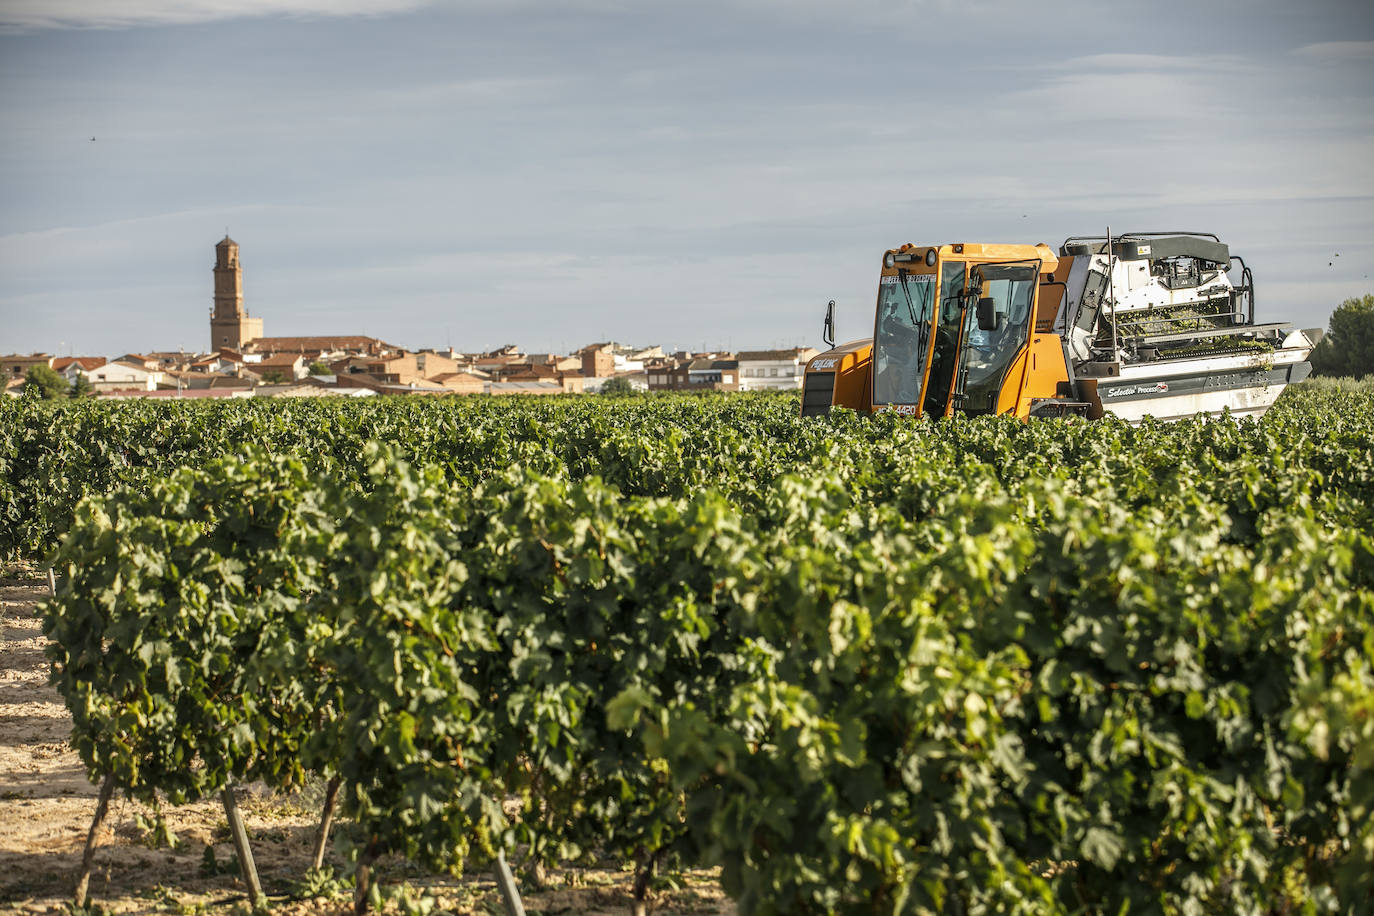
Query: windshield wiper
x=906, y=293
x=922, y=326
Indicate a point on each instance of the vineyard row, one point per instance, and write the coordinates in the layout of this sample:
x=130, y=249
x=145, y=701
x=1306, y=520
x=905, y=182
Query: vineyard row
x=901, y=668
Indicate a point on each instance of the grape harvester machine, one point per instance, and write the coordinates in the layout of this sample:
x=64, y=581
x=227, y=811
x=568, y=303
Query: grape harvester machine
x=1144, y=323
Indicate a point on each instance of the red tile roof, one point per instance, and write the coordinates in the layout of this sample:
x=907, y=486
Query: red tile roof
x=85, y=362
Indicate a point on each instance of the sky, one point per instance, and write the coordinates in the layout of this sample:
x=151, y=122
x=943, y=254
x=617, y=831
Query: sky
x=471, y=173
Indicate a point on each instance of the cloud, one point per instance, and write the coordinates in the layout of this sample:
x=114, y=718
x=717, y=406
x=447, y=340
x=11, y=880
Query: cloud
x=465, y=93
x=34, y=15
x=1150, y=63
x=1337, y=50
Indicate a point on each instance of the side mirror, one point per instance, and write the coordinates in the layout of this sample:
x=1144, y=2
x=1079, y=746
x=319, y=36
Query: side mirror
x=988, y=319
x=828, y=331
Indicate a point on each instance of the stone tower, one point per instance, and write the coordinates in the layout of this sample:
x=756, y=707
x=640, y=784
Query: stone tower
x=230, y=325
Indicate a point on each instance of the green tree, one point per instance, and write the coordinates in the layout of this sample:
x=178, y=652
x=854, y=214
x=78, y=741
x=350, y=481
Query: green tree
x=81, y=388
x=273, y=377
x=48, y=383
x=1348, y=347
x=319, y=368
x=617, y=387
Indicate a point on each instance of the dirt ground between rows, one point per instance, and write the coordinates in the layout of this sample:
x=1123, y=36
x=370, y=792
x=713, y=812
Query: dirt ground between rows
x=46, y=806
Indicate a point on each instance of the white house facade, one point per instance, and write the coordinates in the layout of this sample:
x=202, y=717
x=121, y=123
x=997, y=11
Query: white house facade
x=773, y=370
x=116, y=376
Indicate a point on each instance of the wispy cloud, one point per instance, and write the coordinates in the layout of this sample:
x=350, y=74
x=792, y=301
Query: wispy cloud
x=1338, y=50
x=1149, y=63
x=34, y=15
x=474, y=93
x=25, y=254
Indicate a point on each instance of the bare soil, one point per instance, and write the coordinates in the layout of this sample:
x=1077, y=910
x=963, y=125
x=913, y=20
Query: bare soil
x=47, y=803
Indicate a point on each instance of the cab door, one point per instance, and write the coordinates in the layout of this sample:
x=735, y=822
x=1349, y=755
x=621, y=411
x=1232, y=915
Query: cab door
x=999, y=315
x=948, y=337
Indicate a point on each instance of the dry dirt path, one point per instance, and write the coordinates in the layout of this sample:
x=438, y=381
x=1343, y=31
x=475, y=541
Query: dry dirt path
x=46, y=804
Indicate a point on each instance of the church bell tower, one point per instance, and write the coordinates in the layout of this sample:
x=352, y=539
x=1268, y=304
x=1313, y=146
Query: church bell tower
x=230, y=325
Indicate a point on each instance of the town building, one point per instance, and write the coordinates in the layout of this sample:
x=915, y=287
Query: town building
x=281, y=367
x=202, y=381
x=498, y=360
x=151, y=363
x=121, y=375
x=461, y=382
x=225, y=362
x=124, y=394
x=172, y=359
x=16, y=366
x=527, y=388
x=774, y=370
x=598, y=360
x=701, y=374
x=322, y=346
x=70, y=367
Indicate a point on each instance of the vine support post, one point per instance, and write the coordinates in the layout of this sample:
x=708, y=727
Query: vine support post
x=247, y=869
x=331, y=796
x=510, y=894
x=362, y=880
x=361, y=886
x=102, y=807
x=52, y=583
x=644, y=876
